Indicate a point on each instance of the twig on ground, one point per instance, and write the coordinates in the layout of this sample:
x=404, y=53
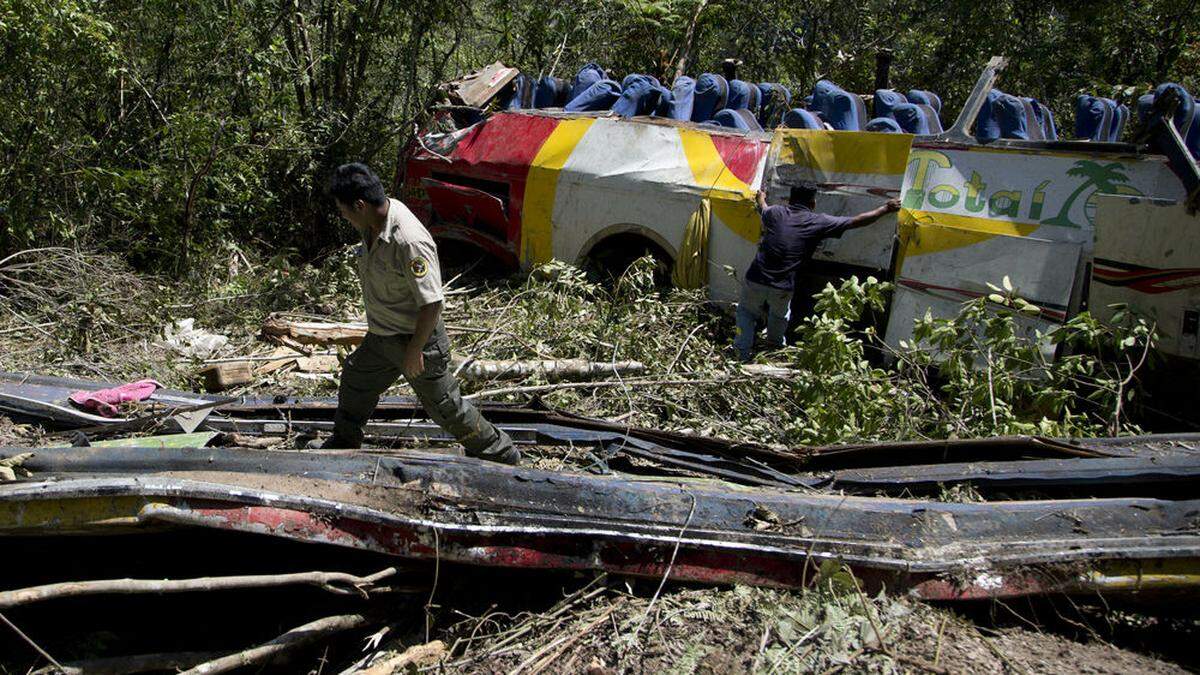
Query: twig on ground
x=29, y=641
x=671, y=368
x=937, y=653
x=297, y=637
x=995, y=650
x=437, y=568
x=566, y=644
x=18, y=329
x=862, y=597
x=670, y=565
x=917, y=663
x=849, y=661
x=414, y=655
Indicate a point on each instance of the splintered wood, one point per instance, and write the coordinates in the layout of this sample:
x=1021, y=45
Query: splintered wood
x=284, y=331
x=301, y=334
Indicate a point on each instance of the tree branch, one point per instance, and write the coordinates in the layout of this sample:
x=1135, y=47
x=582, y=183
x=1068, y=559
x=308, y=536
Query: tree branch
x=334, y=582
x=297, y=637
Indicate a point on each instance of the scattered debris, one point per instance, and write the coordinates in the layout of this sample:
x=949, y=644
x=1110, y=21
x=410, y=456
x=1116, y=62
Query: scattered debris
x=222, y=376
x=48, y=399
x=184, y=337
x=417, y=655
x=478, y=88
x=287, y=332
x=108, y=402
x=10, y=467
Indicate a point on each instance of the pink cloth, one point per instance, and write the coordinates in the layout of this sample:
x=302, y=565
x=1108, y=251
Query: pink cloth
x=106, y=401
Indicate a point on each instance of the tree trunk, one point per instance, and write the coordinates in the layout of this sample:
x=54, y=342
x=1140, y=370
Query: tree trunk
x=688, y=38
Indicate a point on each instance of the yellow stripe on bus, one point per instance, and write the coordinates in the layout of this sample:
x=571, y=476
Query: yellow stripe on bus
x=860, y=152
x=928, y=232
x=732, y=198
x=537, y=226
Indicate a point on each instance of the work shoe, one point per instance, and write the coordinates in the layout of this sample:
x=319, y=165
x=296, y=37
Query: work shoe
x=331, y=443
x=510, y=456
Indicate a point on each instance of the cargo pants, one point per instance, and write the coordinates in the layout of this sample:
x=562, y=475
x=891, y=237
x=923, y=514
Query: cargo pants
x=378, y=363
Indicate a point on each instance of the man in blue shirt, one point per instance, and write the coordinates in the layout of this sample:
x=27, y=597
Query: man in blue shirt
x=790, y=235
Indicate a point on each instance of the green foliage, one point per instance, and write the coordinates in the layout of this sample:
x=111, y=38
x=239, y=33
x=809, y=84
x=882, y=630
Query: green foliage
x=977, y=374
x=999, y=377
x=162, y=129
x=835, y=389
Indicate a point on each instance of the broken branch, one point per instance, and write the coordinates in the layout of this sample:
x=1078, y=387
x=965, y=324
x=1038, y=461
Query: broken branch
x=551, y=369
x=279, y=329
x=29, y=641
x=297, y=637
x=415, y=655
x=334, y=582
x=539, y=388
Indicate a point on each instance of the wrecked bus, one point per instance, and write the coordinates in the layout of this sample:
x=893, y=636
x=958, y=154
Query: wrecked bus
x=1073, y=224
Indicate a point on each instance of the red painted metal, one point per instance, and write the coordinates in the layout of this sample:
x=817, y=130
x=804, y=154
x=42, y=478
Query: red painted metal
x=468, y=206
x=499, y=150
x=742, y=155
x=651, y=560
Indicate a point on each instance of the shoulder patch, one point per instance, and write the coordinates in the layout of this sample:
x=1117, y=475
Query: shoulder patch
x=419, y=267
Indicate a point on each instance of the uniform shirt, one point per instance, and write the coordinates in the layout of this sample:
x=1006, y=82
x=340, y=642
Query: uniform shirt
x=790, y=235
x=399, y=273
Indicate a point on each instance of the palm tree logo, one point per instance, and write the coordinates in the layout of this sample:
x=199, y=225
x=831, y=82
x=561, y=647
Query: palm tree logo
x=1100, y=177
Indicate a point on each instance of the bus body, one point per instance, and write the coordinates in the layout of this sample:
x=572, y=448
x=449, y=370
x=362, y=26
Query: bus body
x=529, y=186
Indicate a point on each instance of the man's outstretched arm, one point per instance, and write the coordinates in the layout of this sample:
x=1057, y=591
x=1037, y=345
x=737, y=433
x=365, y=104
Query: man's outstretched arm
x=760, y=199
x=867, y=217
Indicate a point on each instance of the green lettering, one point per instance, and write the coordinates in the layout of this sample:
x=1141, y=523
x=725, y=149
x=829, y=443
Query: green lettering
x=975, y=187
x=914, y=197
x=943, y=196
x=1004, y=203
x=1039, y=200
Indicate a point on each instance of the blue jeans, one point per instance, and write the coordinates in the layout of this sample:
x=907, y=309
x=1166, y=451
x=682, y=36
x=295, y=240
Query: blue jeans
x=750, y=310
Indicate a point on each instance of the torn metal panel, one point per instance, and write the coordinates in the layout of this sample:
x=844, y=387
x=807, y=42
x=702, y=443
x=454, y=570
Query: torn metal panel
x=424, y=506
x=1126, y=474
x=856, y=172
x=1149, y=445
x=197, y=439
x=44, y=397
x=467, y=206
x=908, y=453
x=480, y=87
x=553, y=427
x=410, y=430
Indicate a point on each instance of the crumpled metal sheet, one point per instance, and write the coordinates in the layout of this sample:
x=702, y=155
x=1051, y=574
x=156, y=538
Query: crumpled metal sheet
x=425, y=506
x=46, y=398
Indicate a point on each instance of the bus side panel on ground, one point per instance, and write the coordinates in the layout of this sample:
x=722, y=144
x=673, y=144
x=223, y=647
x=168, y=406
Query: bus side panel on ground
x=1147, y=257
x=972, y=216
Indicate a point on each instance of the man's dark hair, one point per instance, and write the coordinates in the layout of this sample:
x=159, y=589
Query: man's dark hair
x=355, y=181
x=804, y=194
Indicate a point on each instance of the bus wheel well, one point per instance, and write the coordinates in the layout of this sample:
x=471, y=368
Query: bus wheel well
x=611, y=254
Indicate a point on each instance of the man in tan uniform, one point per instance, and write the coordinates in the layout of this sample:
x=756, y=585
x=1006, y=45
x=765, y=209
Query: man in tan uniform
x=402, y=292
